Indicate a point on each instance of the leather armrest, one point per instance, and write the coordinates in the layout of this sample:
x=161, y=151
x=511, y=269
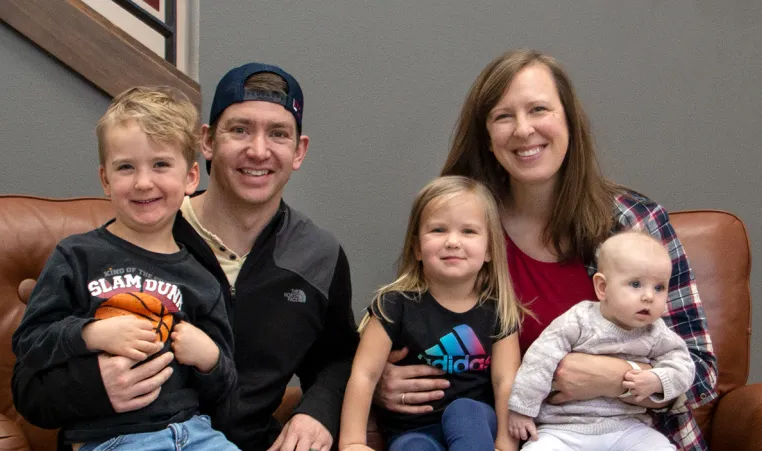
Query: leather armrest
x=290, y=400
x=12, y=438
x=737, y=422
x=375, y=437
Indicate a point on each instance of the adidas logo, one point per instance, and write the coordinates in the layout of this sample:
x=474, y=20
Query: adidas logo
x=458, y=351
x=296, y=295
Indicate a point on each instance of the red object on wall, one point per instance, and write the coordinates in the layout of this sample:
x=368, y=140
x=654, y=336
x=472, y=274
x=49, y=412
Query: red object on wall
x=155, y=4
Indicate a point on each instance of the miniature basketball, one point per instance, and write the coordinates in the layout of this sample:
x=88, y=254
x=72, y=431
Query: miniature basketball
x=141, y=305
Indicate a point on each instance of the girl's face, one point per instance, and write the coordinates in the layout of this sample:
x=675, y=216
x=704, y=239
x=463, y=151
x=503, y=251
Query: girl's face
x=453, y=240
x=527, y=128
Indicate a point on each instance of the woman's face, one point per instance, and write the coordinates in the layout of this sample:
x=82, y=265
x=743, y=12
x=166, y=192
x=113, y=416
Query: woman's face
x=527, y=128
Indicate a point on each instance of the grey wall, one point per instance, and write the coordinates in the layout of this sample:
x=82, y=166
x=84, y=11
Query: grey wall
x=47, y=130
x=673, y=90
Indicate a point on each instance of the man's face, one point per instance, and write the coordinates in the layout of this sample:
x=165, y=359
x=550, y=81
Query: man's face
x=253, y=152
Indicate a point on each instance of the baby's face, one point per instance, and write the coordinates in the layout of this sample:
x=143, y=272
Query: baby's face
x=637, y=286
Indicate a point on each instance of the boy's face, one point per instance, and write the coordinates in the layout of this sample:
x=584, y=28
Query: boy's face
x=634, y=289
x=253, y=152
x=145, y=180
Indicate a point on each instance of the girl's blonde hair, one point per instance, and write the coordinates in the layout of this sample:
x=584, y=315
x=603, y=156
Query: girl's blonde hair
x=493, y=282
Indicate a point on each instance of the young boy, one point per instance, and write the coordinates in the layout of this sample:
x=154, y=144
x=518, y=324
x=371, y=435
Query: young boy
x=128, y=289
x=631, y=285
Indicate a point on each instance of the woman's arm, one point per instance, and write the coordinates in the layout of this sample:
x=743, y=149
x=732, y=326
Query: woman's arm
x=585, y=376
x=506, y=358
x=368, y=364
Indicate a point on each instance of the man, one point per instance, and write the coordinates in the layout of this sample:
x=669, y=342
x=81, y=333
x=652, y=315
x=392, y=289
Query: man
x=287, y=282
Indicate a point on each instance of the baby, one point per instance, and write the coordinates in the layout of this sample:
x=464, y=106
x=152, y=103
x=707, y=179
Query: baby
x=631, y=284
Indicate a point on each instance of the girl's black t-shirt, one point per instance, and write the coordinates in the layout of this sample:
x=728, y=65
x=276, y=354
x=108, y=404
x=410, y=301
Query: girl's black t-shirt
x=458, y=343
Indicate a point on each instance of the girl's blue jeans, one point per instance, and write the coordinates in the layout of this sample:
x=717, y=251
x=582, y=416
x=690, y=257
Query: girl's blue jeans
x=467, y=425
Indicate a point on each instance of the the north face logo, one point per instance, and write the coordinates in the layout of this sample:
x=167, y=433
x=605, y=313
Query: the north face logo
x=296, y=295
x=458, y=351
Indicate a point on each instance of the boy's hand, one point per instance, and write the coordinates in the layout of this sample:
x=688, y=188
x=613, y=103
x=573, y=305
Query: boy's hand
x=642, y=384
x=521, y=426
x=126, y=335
x=193, y=347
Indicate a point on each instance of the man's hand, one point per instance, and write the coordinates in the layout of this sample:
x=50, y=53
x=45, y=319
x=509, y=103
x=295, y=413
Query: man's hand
x=642, y=384
x=521, y=426
x=130, y=388
x=400, y=388
x=125, y=335
x=303, y=433
x=193, y=347
x=585, y=376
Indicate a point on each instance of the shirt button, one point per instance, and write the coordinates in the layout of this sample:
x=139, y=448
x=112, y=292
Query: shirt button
x=232, y=257
x=222, y=249
x=703, y=396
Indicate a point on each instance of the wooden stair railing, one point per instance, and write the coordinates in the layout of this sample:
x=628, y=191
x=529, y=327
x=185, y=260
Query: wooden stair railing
x=91, y=45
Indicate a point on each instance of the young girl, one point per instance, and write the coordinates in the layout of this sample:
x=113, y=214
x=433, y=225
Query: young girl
x=453, y=307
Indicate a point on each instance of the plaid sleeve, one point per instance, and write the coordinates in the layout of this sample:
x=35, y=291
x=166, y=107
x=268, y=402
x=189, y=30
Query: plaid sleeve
x=685, y=315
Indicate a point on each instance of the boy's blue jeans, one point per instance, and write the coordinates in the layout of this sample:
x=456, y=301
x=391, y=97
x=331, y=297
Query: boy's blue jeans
x=467, y=425
x=194, y=434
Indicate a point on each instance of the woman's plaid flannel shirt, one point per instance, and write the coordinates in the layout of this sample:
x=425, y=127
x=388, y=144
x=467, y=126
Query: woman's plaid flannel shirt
x=685, y=316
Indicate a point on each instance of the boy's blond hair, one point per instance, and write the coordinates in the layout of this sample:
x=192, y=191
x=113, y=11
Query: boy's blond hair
x=163, y=113
x=493, y=282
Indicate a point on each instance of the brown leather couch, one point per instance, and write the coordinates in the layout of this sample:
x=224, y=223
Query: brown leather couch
x=715, y=242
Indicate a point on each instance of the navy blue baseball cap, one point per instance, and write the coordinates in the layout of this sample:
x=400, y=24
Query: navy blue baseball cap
x=231, y=90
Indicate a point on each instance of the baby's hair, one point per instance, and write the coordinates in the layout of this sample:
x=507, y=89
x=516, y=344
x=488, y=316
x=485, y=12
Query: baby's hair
x=163, y=113
x=602, y=254
x=493, y=281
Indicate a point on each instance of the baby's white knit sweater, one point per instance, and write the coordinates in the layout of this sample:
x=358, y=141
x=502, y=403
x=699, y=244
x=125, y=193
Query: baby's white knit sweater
x=583, y=329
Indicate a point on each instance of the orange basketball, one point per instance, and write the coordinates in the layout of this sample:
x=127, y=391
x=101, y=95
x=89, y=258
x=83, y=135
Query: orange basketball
x=143, y=306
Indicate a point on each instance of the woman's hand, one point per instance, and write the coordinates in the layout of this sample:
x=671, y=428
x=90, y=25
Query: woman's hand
x=586, y=376
x=406, y=389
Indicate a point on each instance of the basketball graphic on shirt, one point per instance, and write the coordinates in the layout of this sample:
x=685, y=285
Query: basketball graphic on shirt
x=141, y=305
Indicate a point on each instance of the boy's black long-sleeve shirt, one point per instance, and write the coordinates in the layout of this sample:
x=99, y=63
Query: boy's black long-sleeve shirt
x=290, y=310
x=84, y=272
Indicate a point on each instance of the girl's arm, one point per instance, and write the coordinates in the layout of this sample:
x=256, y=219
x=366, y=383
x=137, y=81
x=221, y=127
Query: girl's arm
x=506, y=358
x=368, y=364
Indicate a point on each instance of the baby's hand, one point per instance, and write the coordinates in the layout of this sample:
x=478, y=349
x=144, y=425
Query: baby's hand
x=642, y=384
x=193, y=347
x=125, y=335
x=521, y=426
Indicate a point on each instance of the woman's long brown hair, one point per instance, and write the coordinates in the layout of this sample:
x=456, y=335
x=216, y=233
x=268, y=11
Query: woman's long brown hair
x=581, y=217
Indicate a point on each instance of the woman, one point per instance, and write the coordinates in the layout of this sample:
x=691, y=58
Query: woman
x=523, y=133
